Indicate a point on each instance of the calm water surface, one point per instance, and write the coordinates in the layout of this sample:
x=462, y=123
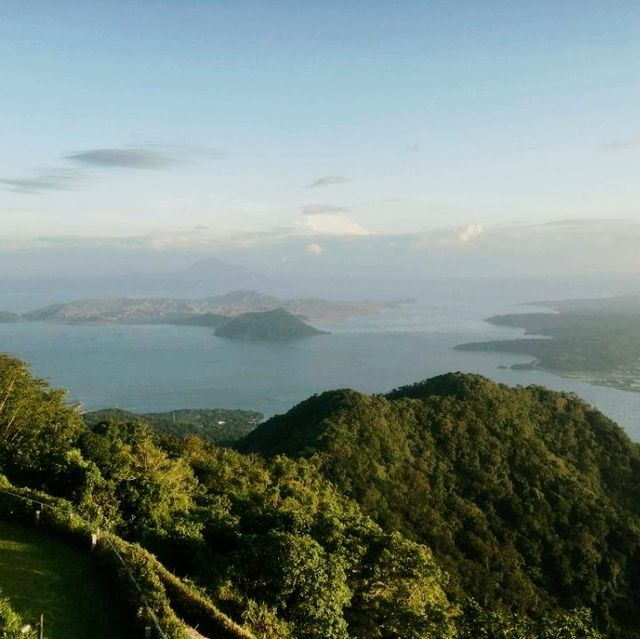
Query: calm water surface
x=157, y=368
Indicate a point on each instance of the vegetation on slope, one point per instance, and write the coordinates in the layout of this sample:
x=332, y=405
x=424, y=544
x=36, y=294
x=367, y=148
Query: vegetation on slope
x=599, y=339
x=10, y=621
x=217, y=425
x=277, y=324
x=273, y=545
x=528, y=498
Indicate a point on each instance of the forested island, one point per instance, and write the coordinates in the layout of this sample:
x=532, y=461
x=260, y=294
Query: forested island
x=247, y=315
x=455, y=508
x=275, y=325
x=597, y=340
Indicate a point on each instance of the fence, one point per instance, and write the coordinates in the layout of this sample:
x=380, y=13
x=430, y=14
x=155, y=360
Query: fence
x=142, y=580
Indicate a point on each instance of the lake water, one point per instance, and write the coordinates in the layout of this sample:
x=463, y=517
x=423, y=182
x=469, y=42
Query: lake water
x=158, y=368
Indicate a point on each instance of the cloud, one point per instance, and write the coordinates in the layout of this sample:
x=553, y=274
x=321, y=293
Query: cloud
x=321, y=209
x=412, y=148
x=192, y=237
x=331, y=224
x=451, y=236
x=56, y=179
x=129, y=157
x=328, y=180
x=186, y=150
x=314, y=249
x=156, y=241
x=621, y=145
x=470, y=232
x=251, y=238
x=133, y=157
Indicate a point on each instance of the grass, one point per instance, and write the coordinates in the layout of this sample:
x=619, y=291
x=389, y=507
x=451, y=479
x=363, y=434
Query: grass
x=42, y=574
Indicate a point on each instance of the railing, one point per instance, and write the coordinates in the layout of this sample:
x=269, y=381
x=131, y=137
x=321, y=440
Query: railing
x=95, y=536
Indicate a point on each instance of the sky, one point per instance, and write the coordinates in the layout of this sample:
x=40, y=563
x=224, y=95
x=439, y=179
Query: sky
x=214, y=126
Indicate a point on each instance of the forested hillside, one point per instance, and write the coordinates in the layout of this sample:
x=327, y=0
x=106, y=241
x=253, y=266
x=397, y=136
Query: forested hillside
x=217, y=425
x=527, y=497
x=507, y=487
x=598, y=339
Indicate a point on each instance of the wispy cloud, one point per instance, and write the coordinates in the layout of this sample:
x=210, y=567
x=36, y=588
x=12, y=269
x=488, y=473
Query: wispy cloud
x=622, y=145
x=128, y=157
x=328, y=180
x=56, y=179
x=321, y=209
x=448, y=237
x=250, y=238
x=177, y=239
x=331, y=224
x=148, y=156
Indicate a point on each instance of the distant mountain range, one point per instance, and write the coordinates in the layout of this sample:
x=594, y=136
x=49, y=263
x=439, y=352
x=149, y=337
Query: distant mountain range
x=245, y=315
x=210, y=311
x=205, y=277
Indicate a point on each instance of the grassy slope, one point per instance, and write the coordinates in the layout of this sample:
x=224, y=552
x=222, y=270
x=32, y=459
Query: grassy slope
x=39, y=573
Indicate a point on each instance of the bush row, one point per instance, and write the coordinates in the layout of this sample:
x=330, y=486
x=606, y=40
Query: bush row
x=146, y=588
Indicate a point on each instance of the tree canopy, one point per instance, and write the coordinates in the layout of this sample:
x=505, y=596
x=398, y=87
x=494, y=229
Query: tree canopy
x=450, y=509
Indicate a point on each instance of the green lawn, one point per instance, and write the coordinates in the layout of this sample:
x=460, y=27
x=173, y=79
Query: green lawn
x=40, y=573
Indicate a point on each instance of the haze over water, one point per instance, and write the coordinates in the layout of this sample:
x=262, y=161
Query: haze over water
x=159, y=368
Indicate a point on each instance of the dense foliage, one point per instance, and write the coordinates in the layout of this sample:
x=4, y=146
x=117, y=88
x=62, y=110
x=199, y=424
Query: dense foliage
x=527, y=497
x=217, y=425
x=276, y=546
x=272, y=542
x=10, y=622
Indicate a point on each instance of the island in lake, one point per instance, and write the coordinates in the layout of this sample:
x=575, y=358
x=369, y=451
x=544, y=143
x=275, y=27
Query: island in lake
x=597, y=340
x=238, y=314
x=209, y=311
x=277, y=324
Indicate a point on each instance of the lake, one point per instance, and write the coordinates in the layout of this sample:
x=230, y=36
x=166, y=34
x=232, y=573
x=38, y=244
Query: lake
x=158, y=368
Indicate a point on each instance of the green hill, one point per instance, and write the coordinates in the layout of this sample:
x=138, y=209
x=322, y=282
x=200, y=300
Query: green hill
x=527, y=497
x=453, y=509
x=277, y=324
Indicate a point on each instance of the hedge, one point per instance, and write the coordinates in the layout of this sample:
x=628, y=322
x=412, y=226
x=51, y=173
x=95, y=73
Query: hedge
x=146, y=588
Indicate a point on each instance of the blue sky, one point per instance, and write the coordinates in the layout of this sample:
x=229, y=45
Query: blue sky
x=193, y=123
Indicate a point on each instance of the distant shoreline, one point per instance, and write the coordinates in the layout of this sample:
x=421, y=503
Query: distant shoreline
x=593, y=340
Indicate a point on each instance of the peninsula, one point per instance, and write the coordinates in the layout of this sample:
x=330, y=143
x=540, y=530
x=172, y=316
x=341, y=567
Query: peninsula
x=597, y=340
